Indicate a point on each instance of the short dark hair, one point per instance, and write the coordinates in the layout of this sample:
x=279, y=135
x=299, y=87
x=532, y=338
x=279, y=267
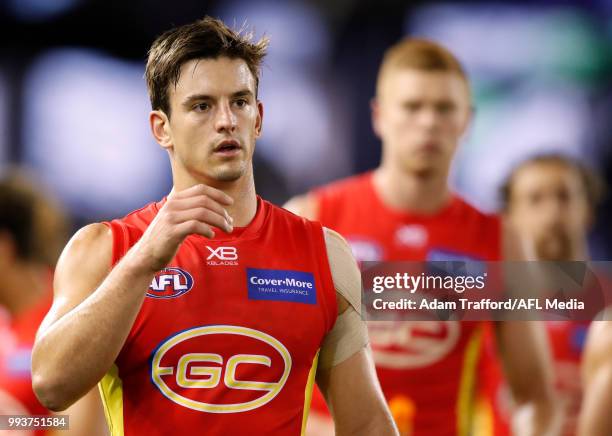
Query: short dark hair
x=36, y=224
x=591, y=180
x=206, y=38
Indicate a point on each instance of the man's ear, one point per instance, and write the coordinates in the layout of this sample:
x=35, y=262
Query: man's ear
x=8, y=249
x=259, y=121
x=375, y=116
x=160, y=127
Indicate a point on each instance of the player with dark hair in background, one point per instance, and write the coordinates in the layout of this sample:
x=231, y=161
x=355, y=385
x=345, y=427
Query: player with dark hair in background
x=550, y=201
x=33, y=229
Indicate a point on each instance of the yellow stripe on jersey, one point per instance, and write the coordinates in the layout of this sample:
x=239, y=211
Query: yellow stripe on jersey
x=483, y=417
x=111, y=391
x=467, y=383
x=308, y=392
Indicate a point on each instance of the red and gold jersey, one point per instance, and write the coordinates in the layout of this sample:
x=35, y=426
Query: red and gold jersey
x=16, y=341
x=567, y=339
x=227, y=339
x=426, y=369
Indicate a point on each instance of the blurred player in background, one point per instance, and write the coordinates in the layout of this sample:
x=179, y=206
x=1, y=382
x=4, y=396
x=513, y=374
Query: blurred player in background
x=405, y=210
x=210, y=311
x=33, y=230
x=550, y=202
x=595, y=416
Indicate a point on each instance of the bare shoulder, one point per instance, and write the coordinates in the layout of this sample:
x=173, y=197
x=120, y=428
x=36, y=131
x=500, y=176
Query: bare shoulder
x=89, y=249
x=82, y=266
x=598, y=350
x=305, y=205
x=344, y=269
x=334, y=239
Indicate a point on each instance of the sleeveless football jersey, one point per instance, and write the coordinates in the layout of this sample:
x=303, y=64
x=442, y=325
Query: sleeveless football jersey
x=567, y=339
x=426, y=369
x=227, y=339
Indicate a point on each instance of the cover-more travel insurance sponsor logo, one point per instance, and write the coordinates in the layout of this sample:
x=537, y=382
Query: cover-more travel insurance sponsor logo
x=281, y=285
x=197, y=369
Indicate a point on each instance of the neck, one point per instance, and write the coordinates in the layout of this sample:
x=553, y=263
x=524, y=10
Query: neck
x=244, y=207
x=402, y=190
x=22, y=287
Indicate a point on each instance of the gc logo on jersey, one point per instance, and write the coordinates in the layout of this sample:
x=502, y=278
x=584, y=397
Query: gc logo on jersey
x=412, y=344
x=170, y=283
x=194, y=369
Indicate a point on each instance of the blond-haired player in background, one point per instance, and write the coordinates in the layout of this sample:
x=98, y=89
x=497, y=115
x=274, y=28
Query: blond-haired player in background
x=406, y=210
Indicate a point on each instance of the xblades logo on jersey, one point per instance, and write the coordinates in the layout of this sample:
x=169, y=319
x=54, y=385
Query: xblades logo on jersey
x=222, y=256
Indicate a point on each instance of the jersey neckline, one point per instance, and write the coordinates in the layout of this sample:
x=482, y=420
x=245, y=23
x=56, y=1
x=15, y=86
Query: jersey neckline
x=407, y=215
x=248, y=231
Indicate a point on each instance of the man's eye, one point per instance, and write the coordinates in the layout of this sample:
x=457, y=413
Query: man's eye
x=445, y=108
x=412, y=106
x=201, y=107
x=241, y=102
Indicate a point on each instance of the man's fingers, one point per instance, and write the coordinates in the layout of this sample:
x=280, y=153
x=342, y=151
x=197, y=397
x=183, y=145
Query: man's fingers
x=200, y=189
x=195, y=227
x=202, y=201
x=205, y=216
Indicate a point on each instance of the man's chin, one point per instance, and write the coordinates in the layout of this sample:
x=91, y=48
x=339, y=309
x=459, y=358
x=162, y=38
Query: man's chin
x=423, y=169
x=555, y=249
x=424, y=164
x=229, y=174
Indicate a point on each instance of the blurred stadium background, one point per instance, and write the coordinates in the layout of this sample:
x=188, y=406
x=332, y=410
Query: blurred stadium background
x=73, y=102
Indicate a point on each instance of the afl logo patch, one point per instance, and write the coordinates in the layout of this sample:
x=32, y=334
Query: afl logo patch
x=170, y=283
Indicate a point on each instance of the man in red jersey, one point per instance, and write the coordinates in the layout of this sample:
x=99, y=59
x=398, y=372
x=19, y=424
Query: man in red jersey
x=32, y=232
x=211, y=311
x=405, y=210
x=595, y=418
x=550, y=201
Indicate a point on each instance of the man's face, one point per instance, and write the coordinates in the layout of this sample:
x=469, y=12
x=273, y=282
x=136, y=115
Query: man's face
x=420, y=117
x=549, y=210
x=215, y=119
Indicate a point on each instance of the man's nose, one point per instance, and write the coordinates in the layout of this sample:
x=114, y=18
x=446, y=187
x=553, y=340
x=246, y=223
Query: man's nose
x=428, y=118
x=553, y=210
x=225, y=119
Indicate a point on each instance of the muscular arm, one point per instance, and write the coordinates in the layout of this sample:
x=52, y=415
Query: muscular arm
x=93, y=309
x=595, y=416
x=346, y=375
x=527, y=362
x=86, y=417
x=85, y=316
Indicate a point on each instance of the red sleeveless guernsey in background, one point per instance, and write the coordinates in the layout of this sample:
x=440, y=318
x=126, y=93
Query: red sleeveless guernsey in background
x=426, y=369
x=16, y=341
x=227, y=339
x=567, y=339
